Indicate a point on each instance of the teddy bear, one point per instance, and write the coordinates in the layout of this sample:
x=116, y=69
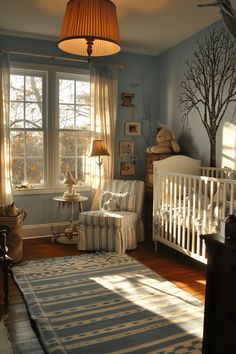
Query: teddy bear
x=166, y=144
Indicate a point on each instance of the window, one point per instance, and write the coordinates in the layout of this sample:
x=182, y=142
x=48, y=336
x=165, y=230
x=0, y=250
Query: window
x=50, y=130
x=74, y=125
x=228, y=158
x=27, y=128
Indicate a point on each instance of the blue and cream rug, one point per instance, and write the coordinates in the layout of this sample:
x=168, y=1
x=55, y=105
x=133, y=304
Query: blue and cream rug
x=108, y=303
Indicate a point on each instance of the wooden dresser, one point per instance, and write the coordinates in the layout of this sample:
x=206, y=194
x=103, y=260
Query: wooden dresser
x=220, y=301
x=150, y=158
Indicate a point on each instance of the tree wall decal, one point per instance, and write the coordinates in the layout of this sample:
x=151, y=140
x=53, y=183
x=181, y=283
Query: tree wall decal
x=209, y=84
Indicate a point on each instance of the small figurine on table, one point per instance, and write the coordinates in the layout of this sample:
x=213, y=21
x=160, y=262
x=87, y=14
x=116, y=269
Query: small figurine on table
x=70, y=181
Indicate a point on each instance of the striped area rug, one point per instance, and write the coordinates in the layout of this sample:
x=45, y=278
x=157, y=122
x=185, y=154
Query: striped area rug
x=108, y=303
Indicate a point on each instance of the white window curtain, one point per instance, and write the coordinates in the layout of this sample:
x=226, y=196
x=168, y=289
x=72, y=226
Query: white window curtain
x=104, y=91
x=6, y=195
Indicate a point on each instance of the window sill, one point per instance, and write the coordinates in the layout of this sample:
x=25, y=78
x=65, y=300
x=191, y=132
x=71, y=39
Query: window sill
x=35, y=191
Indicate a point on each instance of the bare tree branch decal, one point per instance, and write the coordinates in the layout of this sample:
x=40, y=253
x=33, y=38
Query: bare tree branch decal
x=209, y=84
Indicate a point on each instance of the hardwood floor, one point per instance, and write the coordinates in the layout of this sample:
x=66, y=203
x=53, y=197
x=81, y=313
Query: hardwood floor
x=177, y=268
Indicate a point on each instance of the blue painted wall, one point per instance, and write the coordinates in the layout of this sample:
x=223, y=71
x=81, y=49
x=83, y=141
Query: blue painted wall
x=137, y=78
x=155, y=83
x=170, y=67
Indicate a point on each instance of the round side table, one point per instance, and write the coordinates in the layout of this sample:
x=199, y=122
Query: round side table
x=70, y=234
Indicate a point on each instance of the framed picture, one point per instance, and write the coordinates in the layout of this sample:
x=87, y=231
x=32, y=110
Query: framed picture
x=126, y=148
x=127, y=168
x=132, y=128
x=127, y=99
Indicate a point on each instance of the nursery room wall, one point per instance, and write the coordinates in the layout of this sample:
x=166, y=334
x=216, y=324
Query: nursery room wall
x=137, y=78
x=154, y=83
x=170, y=68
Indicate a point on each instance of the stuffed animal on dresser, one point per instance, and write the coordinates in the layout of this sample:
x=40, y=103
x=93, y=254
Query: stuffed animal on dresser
x=166, y=144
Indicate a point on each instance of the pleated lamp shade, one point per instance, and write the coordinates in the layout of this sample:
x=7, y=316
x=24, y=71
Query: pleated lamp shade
x=90, y=28
x=99, y=149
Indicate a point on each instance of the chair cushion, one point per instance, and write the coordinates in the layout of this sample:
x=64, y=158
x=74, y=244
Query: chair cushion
x=125, y=200
x=108, y=218
x=111, y=205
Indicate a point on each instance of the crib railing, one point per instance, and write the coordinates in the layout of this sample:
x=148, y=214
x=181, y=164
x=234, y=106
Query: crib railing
x=186, y=206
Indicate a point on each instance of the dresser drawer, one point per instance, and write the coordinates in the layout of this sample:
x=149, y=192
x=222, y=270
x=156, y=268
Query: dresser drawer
x=150, y=158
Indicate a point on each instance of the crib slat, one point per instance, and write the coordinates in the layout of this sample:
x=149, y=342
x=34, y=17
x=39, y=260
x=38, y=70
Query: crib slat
x=174, y=208
x=193, y=219
x=188, y=206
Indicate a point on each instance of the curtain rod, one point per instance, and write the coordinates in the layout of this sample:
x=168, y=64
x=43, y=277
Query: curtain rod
x=54, y=57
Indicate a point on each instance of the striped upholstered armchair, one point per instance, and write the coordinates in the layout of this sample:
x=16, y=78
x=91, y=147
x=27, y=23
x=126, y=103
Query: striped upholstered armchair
x=118, y=225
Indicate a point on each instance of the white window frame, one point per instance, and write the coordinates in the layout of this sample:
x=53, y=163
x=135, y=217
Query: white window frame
x=50, y=124
x=69, y=76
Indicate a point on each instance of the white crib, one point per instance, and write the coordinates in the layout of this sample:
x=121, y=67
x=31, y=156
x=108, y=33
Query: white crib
x=189, y=201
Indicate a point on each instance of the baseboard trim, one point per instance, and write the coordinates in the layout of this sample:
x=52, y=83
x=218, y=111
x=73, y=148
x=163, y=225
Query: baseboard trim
x=42, y=230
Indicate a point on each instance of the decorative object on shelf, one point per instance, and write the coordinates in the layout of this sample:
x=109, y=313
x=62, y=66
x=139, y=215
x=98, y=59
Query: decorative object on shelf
x=90, y=28
x=132, y=128
x=127, y=99
x=99, y=149
x=70, y=181
x=166, y=143
x=209, y=85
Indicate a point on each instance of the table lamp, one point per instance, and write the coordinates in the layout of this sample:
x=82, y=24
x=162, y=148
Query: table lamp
x=98, y=150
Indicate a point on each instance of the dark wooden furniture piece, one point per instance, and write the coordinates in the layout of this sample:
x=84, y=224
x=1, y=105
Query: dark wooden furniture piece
x=5, y=263
x=150, y=158
x=220, y=297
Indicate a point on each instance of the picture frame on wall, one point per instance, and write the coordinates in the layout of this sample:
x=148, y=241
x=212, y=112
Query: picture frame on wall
x=132, y=128
x=127, y=168
x=127, y=148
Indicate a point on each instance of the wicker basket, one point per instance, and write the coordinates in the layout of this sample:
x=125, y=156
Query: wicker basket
x=14, y=234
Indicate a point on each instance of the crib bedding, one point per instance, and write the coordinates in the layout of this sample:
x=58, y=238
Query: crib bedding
x=187, y=205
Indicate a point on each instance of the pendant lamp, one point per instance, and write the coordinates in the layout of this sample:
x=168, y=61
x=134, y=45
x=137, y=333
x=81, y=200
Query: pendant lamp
x=90, y=28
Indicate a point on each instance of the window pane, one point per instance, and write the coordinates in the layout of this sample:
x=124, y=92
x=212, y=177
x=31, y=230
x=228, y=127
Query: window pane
x=34, y=144
x=66, y=116
x=81, y=169
x=17, y=88
x=35, y=171
x=67, y=144
x=16, y=115
x=18, y=171
x=66, y=91
x=83, y=117
x=83, y=143
x=33, y=88
x=82, y=92
x=17, y=144
x=26, y=112
x=33, y=115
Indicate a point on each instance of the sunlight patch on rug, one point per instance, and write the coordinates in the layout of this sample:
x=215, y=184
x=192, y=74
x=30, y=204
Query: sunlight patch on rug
x=108, y=303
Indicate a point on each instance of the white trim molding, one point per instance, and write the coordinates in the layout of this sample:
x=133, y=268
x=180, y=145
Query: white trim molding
x=42, y=230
